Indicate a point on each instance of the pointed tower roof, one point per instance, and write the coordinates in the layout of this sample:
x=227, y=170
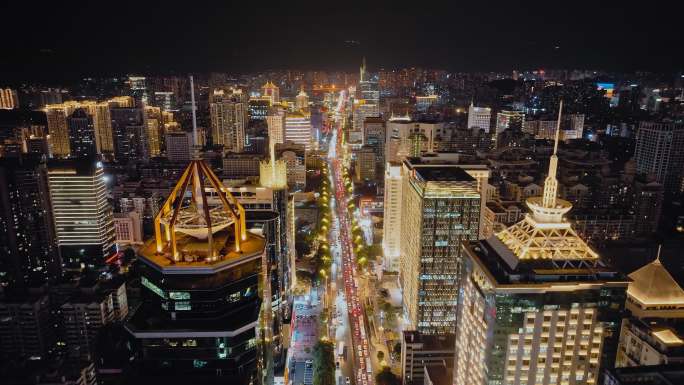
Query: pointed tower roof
x=545, y=234
x=653, y=285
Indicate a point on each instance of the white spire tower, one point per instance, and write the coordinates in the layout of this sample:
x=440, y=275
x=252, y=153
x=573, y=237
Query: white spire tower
x=545, y=234
x=551, y=183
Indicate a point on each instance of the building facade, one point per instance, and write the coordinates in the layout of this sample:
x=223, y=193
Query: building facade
x=441, y=208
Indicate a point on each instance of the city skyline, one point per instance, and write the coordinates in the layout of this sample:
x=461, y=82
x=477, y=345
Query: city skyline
x=496, y=36
x=328, y=193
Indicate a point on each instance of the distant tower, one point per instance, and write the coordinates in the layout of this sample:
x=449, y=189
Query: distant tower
x=302, y=100
x=271, y=91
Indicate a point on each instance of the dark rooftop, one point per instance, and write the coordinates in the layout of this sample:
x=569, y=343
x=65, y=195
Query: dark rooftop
x=443, y=174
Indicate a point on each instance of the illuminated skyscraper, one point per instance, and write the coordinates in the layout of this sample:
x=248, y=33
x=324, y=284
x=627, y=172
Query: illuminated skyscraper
x=201, y=278
x=391, y=230
x=367, y=103
x=536, y=304
x=298, y=128
x=155, y=130
x=228, y=110
x=440, y=209
x=480, y=117
x=83, y=219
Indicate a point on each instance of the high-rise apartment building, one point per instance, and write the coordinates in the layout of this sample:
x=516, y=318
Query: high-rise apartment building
x=8, y=99
x=27, y=328
x=276, y=125
x=480, y=117
x=536, y=304
x=178, y=146
x=27, y=245
x=58, y=130
x=155, y=130
x=83, y=315
x=83, y=219
x=81, y=134
x=298, y=128
x=229, y=117
x=60, y=137
x=391, y=224
x=660, y=152
x=440, y=209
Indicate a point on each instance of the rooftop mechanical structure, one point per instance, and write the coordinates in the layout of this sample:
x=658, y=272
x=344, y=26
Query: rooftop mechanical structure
x=186, y=211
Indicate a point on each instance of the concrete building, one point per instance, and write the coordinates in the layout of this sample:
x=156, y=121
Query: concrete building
x=294, y=156
x=178, y=146
x=240, y=166
x=419, y=351
x=365, y=166
x=479, y=117
x=82, y=317
x=128, y=228
x=26, y=327
x=660, y=152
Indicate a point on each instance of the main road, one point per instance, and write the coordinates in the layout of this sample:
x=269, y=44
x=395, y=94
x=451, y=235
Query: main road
x=349, y=308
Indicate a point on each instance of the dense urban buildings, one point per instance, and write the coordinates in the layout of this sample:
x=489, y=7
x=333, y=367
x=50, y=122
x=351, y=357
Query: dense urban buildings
x=201, y=207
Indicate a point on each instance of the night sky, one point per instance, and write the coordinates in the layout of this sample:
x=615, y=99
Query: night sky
x=70, y=39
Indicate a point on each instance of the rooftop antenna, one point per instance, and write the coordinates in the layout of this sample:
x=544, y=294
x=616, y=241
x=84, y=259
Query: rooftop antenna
x=657, y=260
x=551, y=183
x=195, y=139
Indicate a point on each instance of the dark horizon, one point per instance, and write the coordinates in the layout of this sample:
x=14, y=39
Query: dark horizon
x=60, y=43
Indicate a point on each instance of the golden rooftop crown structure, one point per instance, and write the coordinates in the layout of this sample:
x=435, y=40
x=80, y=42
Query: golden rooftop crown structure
x=545, y=234
x=193, y=217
